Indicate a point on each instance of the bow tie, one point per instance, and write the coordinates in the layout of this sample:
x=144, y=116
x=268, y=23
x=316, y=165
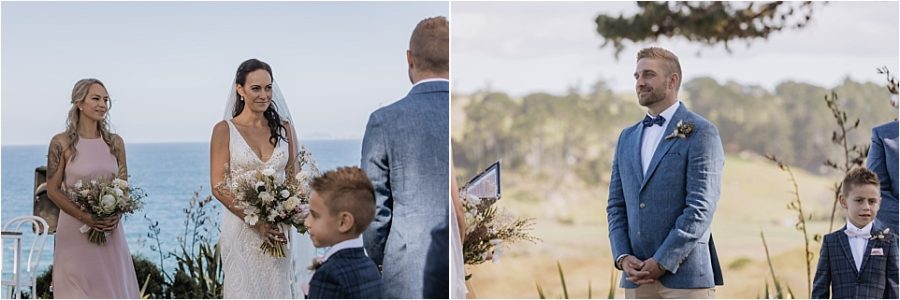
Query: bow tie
x=857, y=233
x=649, y=122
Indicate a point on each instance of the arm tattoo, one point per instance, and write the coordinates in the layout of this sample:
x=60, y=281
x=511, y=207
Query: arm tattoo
x=54, y=157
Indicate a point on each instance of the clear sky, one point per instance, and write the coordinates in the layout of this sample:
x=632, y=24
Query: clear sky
x=168, y=65
x=520, y=48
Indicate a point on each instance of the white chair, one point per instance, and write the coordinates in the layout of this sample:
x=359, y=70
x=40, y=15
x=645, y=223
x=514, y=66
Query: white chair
x=11, y=231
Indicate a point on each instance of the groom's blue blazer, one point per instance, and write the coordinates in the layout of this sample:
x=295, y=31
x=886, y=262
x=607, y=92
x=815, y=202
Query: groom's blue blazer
x=405, y=153
x=666, y=214
x=883, y=161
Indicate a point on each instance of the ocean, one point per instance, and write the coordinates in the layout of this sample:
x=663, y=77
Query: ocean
x=169, y=173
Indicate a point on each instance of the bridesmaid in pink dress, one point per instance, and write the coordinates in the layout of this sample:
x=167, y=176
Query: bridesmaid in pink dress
x=85, y=151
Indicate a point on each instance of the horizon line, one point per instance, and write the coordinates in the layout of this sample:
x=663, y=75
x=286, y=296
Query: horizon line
x=185, y=142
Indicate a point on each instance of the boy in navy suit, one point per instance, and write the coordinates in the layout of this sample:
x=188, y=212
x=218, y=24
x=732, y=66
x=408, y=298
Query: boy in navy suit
x=860, y=259
x=340, y=208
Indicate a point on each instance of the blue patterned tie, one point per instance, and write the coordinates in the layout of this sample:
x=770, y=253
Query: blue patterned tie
x=659, y=120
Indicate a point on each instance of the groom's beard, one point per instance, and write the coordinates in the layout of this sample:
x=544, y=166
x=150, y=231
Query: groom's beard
x=652, y=96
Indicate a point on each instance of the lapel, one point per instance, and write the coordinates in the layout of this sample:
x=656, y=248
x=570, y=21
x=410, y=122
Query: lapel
x=633, y=146
x=876, y=227
x=664, y=144
x=845, y=246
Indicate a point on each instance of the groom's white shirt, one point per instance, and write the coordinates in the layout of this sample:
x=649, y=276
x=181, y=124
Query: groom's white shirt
x=653, y=134
x=351, y=243
x=429, y=80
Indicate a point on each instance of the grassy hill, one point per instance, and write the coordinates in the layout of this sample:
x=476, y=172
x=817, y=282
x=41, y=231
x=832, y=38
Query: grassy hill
x=571, y=220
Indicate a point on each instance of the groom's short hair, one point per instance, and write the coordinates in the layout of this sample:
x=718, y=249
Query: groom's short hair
x=348, y=189
x=859, y=176
x=670, y=59
x=430, y=45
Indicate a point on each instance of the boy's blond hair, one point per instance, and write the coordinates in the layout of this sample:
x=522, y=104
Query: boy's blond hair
x=347, y=189
x=859, y=176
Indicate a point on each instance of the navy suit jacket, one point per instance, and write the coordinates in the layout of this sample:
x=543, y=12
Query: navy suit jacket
x=667, y=214
x=837, y=272
x=883, y=161
x=348, y=273
x=404, y=153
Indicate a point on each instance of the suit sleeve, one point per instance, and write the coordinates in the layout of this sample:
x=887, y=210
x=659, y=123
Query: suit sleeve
x=377, y=166
x=616, y=213
x=704, y=180
x=822, y=281
x=890, y=287
x=877, y=162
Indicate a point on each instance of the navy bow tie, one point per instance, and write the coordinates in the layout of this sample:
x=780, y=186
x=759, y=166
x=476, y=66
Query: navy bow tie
x=649, y=122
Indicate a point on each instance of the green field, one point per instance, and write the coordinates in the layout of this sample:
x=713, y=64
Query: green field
x=571, y=221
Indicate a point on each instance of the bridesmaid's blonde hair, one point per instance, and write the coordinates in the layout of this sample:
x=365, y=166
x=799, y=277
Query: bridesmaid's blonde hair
x=79, y=93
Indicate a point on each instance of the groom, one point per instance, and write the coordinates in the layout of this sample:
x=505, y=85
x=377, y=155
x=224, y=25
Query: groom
x=665, y=183
x=405, y=155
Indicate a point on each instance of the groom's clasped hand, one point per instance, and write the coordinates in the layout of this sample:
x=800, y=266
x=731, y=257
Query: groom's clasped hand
x=641, y=272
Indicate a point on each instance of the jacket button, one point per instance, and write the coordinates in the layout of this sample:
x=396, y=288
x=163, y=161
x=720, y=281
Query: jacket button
x=643, y=205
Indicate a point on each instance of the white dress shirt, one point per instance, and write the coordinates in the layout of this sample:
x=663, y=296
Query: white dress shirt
x=653, y=134
x=858, y=244
x=351, y=243
x=429, y=80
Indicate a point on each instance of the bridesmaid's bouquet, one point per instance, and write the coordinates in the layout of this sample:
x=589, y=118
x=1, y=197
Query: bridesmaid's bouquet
x=489, y=228
x=284, y=203
x=103, y=199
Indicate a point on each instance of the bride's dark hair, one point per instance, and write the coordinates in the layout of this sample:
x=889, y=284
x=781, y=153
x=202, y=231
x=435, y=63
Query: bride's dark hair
x=275, y=126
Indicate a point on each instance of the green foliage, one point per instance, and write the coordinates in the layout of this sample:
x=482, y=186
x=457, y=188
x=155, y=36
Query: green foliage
x=708, y=23
x=613, y=280
x=199, y=273
x=565, y=295
x=155, y=287
x=797, y=205
x=555, y=138
x=544, y=135
x=782, y=290
x=740, y=263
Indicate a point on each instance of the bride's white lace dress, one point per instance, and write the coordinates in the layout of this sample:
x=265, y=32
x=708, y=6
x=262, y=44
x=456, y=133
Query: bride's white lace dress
x=250, y=273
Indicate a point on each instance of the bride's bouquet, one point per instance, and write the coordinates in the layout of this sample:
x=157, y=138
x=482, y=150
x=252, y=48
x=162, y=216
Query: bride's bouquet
x=489, y=228
x=281, y=202
x=103, y=199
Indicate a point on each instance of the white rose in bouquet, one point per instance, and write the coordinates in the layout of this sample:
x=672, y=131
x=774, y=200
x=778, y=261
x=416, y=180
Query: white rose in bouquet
x=108, y=203
x=79, y=184
x=266, y=197
x=251, y=219
x=119, y=183
x=285, y=193
x=291, y=203
x=268, y=172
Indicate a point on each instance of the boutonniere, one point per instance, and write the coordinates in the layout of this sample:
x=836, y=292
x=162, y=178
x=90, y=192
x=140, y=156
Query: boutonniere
x=316, y=263
x=880, y=234
x=682, y=130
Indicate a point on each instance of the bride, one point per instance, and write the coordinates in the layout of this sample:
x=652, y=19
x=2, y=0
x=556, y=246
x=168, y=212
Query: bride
x=256, y=133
